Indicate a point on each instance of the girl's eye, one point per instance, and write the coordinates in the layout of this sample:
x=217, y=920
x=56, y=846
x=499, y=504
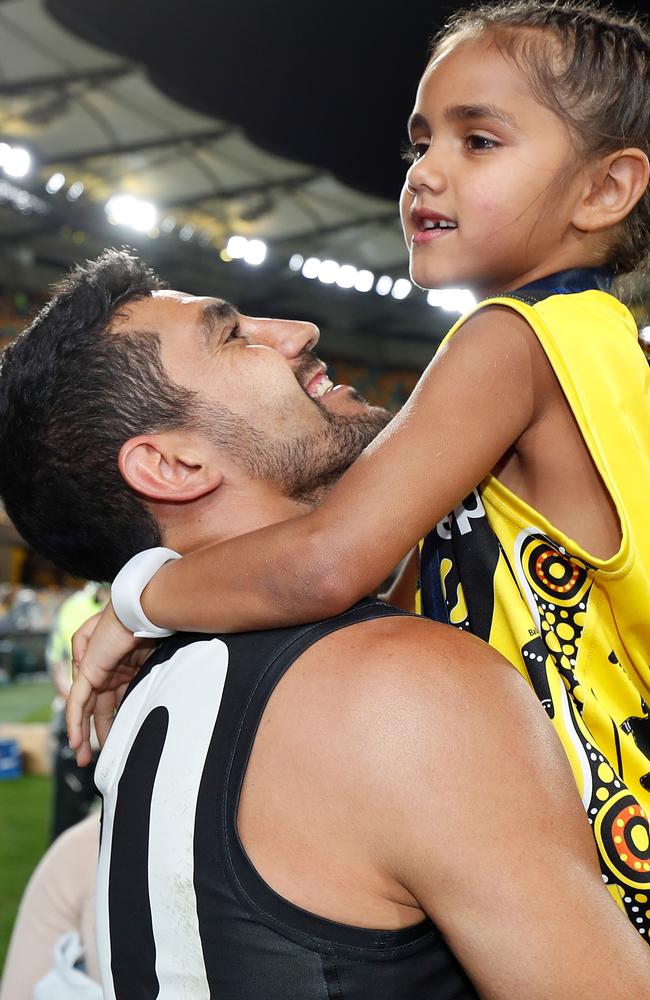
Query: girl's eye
x=479, y=143
x=414, y=151
x=233, y=334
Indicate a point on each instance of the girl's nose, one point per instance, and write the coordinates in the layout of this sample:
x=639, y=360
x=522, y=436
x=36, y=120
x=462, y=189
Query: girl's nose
x=426, y=172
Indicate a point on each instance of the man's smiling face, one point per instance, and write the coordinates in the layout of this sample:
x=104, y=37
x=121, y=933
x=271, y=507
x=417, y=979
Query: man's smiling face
x=259, y=387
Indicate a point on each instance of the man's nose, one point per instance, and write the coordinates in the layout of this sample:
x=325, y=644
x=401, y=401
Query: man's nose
x=288, y=336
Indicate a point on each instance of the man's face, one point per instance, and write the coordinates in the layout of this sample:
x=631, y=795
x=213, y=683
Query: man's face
x=262, y=394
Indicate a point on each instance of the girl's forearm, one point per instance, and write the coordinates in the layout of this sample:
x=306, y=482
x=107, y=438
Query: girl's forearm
x=286, y=573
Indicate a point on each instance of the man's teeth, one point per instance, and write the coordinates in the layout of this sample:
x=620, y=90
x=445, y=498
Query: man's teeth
x=322, y=387
x=437, y=224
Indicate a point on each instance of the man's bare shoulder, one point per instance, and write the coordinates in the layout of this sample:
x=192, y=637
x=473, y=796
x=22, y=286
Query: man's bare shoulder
x=414, y=681
x=406, y=649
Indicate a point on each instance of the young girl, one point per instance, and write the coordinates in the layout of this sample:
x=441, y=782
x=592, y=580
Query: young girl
x=528, y=183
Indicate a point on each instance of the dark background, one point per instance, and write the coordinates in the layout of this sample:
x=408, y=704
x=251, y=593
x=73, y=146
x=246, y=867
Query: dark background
x=329, y=84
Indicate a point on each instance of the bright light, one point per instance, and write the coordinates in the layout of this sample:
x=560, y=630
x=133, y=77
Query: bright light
x=75, y=191
x=55, y=183
x=296, y=261
x=168, y=224
x=384, y=285
x=328, y=272
x=401, y=288
x=255, y=252
x=125, y=210
x=16, y=161
x=311, y=267
x=458, y=300
x=364, y=281
x=236, y=247
x=346, y=276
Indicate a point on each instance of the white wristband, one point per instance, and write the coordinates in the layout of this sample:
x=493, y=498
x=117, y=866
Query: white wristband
x=127, y=589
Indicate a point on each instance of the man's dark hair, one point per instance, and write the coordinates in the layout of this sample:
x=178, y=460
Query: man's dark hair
x=71, y=393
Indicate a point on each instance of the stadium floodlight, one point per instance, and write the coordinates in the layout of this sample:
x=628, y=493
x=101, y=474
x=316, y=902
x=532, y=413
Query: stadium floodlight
x=55, y=183
x=236, y=247
x=384, y=284
x=75, y=191
x=328, y=272
x=125, y=210
x=401, y=288
x=459, y=300
x=255, y=252
x=296, y=261
x=347, y=275
x=311, y=267
x=364, y=281
x=15, y=160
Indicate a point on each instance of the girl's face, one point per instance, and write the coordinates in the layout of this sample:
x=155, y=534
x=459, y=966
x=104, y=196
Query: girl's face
x=488, y=200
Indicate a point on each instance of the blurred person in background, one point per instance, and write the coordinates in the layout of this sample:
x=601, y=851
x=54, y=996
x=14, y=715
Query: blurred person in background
x=57, y=914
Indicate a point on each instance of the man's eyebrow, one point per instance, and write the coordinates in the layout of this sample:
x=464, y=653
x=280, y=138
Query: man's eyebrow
x=466, y=112
x=214, y=315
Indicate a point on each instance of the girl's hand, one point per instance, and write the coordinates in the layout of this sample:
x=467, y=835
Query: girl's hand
x=105, y=657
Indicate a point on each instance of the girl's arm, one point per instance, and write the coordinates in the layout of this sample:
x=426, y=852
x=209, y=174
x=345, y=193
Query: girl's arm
x=471, y=405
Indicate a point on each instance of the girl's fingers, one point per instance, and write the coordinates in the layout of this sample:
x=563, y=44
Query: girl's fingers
x=81, y=699
x=104, y=714
x=81, y=637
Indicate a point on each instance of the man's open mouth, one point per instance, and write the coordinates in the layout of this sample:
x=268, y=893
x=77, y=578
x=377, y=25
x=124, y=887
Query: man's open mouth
x=319, y=385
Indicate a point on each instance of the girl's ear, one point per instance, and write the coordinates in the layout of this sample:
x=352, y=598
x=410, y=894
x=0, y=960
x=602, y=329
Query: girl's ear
x=617, y=183
x=167, y=467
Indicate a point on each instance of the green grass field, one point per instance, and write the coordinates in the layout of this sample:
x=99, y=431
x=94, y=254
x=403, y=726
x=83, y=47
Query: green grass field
x=24, y=805
x=24, y=829
x=27, y=700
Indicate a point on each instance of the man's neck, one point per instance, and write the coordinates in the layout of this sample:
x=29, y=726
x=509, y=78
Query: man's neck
x=219, y=517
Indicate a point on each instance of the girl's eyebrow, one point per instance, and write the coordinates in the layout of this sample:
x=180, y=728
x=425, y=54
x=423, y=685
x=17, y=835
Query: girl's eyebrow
x=416, y=121
x=465, y=112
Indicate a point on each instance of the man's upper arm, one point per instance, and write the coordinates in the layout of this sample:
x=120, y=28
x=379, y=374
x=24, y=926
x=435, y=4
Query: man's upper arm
x=484, y=827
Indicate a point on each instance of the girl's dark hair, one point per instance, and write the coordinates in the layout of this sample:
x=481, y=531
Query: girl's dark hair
x=590, y=66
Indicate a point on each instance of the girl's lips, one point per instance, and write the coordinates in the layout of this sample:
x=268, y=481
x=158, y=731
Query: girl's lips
x=428, y=235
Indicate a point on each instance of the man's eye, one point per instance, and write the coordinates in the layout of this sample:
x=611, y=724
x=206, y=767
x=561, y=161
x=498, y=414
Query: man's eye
x=414, y=151
x=478, y=143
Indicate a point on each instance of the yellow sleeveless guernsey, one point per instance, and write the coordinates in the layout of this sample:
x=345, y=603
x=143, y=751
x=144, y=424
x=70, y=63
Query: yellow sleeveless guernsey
x=576, y=627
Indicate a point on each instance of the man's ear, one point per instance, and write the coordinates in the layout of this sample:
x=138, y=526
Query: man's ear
x=617, y=183
x=168, y=467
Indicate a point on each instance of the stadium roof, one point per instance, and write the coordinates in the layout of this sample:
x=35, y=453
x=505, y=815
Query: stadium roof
x=274, y=122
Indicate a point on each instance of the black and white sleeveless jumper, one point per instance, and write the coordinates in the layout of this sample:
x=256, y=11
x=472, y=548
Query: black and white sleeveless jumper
x=181, y=912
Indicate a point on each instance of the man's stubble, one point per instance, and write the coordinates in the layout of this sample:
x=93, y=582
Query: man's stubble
x=306, y=465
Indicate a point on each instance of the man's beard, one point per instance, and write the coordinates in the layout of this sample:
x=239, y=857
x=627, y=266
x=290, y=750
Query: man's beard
x=306, y=467
x=303, y=467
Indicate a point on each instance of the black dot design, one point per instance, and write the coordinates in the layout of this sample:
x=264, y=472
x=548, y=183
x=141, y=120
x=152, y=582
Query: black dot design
x=535, y=654
x=620, y=828
x=560, y=586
